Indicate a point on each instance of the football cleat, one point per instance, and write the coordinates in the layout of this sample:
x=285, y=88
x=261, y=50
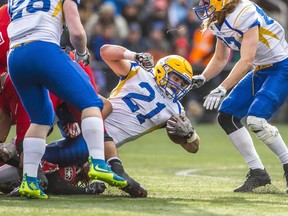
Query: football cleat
x=31, y=189
x=255, y=178
x=133, y=188
x=99, y=170
x=285, y=167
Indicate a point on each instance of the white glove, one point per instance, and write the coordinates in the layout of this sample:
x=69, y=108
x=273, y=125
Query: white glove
x=180, y=125
x=213, y=99
x=198, y=81
x=82, y=57
x=145, y=60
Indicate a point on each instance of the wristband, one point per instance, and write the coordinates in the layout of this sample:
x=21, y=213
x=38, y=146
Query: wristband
x=81, y=54
x=192, y=138
x=129, y=55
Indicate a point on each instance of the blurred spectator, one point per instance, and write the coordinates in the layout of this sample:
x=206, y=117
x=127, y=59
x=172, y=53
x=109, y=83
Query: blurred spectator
x=87, y=8
x=181, y=47
x=177, y=12
x=131, y=12
x=145, y=7
x=106, y=16
x=190, y=24
x=202, y=49
x=135, y=40
x=118, y=5
x=105, y=36
x=157, y=16
x=158, y=45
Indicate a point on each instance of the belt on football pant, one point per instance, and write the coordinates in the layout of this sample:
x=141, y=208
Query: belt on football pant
x=20, y=44
x=261, y=67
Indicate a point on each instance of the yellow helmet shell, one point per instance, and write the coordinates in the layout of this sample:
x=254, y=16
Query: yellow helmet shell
x=219, y=4
x=172, y=63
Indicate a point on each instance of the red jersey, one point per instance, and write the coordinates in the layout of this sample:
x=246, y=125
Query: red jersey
x=11, y=105
x=4, y=40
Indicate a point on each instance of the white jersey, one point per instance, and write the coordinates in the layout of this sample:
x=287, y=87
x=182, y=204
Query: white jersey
x=35, y=20
x=272, y=46
x=139, y=106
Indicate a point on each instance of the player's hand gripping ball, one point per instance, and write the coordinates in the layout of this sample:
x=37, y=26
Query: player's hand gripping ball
x=179, y=129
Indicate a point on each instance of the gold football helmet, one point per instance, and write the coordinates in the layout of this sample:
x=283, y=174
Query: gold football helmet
x=165, y=68
x=207, y=7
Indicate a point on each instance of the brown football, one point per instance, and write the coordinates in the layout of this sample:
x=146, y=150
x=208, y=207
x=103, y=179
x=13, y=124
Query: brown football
x=176, y=138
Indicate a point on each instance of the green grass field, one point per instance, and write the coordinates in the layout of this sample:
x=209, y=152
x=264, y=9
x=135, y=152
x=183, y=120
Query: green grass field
x=178, y=183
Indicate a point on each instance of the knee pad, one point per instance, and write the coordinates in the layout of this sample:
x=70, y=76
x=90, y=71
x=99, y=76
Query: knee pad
x=228, y=122
x=262, y=129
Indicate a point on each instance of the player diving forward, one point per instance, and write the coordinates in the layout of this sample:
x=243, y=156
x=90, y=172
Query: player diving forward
x=143, y=101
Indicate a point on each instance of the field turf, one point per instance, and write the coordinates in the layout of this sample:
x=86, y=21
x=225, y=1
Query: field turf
x=178, y=183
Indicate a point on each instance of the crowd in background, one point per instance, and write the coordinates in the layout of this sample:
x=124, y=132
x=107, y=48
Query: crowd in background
x=161, y=27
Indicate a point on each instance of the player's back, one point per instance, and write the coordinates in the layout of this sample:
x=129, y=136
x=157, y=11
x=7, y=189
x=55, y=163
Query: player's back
x=35, y=20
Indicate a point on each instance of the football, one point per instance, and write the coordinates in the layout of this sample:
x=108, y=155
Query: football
x=176, y=138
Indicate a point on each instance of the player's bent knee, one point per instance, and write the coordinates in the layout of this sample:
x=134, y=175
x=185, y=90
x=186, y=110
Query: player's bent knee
x=262, y=129
x=228, y=122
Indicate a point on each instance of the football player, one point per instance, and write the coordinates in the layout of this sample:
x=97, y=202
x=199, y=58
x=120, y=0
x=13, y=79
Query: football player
x=48, y=68
x=144, y=100
x=12, y=112
x=241, y=25
x=4, y=40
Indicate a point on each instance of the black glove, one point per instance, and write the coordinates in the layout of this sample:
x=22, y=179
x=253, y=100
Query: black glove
x=198, y=81
x=145, y=60
x=95, y=188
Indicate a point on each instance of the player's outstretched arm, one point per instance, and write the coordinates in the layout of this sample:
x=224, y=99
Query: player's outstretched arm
x=180, y=131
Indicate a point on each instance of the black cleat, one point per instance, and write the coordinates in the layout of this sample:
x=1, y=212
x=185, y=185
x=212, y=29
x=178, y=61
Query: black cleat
x=285, y=167
x=255, y=178
x=134, y=189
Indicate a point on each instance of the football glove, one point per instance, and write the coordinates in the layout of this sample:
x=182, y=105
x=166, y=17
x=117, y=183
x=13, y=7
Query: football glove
x=7, y=151
x=85, y=58
x=95, y=188
x=213, y=100
x=145, y=60
x=198, y=81
x=180, y=125
x=72, y=130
